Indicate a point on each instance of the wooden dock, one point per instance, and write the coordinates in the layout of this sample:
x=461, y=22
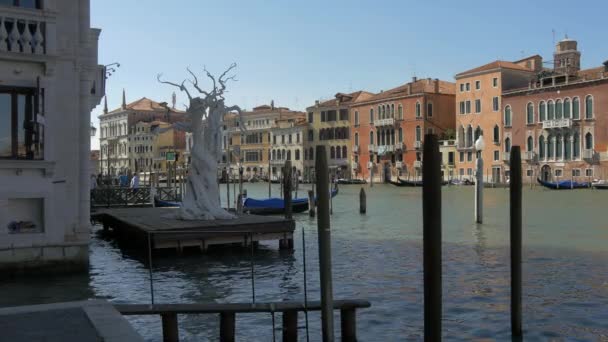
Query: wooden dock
x=156, y=228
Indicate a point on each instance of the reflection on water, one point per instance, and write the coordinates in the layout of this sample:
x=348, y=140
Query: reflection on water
x=378, y=257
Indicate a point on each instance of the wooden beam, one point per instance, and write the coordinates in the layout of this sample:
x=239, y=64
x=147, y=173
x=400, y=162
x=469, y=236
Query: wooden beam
x=170, y=327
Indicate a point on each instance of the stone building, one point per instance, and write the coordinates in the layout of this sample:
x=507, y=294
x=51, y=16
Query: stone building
x=388, y=128
x=288, y=144
x=560, y=120
x=329, y=125
x=118, y=136
x=51, y=80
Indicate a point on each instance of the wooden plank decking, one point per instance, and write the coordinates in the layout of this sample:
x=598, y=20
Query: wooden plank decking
x=136, y=224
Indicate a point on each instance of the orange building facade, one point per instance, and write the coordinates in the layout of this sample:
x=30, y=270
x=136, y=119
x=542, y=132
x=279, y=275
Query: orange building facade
x=478, y=112
x=387, y=131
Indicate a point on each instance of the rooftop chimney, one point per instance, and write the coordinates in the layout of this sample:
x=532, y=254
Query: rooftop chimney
x=437, y=85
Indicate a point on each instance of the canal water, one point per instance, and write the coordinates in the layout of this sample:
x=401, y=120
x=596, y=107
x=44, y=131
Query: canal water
x=378, y=257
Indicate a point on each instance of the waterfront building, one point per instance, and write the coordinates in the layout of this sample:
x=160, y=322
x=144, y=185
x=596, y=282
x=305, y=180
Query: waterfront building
x=51, y=81
x=478, y=111
x=118, y=135
x=388, y=128
x=154, y=143
x=447, y=149
x=288, y=144
x=95, y=167
x=329, y=125
x=560, y=120
x=249, y=145
x=188, y=148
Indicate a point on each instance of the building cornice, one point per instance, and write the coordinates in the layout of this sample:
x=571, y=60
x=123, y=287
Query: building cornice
x=531, y=91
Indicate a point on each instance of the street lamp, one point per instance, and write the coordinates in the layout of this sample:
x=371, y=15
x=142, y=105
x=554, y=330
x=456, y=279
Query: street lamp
x=479, y=146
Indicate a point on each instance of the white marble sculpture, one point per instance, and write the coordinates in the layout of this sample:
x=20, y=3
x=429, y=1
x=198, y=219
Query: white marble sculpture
x=205, y=117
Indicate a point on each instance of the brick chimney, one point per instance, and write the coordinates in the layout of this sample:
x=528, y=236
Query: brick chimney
x=437, y=85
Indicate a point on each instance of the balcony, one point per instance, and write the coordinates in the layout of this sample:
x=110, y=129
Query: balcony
x=418, y=144
x=558, y=123
x=371, y=148
x=398, y=146
x=384, y=149
x=589, y=155
x=530, y=156
x=399, y=165
x=418, y=164
x=506, y=156
x=385, y=122
x=355, y=148
x=278, y=161
x=354, y=166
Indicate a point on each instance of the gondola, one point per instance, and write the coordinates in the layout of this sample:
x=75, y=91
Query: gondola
x=401, y=182
x=350, y=181
x=563, y=185
x=276, y=206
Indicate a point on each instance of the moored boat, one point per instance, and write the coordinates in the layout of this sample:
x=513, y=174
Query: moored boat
x=275, y=206
x=600, y=185
x=351, y=181
x=563, y=185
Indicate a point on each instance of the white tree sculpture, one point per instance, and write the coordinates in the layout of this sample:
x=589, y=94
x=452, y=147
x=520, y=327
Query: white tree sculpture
x=204, y=119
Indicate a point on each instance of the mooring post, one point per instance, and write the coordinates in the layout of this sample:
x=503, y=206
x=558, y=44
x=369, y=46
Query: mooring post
x=431, y=212
x=362, y=201
x=348, y=323
x=227, y=326
x=170, y=328
x=287, y=190
x=311, y=203
x=324, y=229
x=150, y=268
x=290, y=326
x=240, y=180
x=516, y=252
x=239, y=204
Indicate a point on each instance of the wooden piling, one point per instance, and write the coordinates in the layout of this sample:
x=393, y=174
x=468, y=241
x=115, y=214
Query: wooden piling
x=170, y=329
x=227, y=326
x=516, y=241
x=348, y=324
x=287, y=190
x=324, y=232
x=311, y=203
x=290, y=326
x=431, y=211
x=362, y=201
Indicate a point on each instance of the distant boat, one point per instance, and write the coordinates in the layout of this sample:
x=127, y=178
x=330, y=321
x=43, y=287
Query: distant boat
x=164, y=204
x=563, y=185
x=600, y=185
x=401, y=182
x=351, y=181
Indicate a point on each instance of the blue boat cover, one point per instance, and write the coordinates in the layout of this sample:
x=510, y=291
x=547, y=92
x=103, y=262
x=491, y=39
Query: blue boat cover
x=275, y=203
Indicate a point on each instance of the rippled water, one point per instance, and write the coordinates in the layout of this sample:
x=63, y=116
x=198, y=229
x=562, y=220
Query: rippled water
x=378, y=257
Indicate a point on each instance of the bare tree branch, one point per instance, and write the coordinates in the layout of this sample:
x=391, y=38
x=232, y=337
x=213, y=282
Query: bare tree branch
x=212, y=78
x=195, y=83
x=223, y=80
x=180, y=86
x=237, y=109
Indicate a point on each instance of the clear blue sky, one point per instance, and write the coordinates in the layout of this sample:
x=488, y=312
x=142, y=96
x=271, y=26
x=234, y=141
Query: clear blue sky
x=298, y=51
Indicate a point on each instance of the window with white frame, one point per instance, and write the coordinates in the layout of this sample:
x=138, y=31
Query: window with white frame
x=559, y=172
x=576, y=172
x=468, y=86
x=589, y=172
x=495, y=104
x=477, y=85
x=496, y=155
x=495, y=82
x=478, y=106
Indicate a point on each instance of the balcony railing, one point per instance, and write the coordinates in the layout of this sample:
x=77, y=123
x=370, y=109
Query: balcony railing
x=23, y=33
x=418, y=144
x=383, y=149
x=588, y=154
x=355, y=148
x=277, y=161
x=530, y=156
x=372, y=148
x=399, y=165
x=399, y=146
x=506, y=156
x=354, y=166
x=385, y=122
x=418, y=164
x=558, y=123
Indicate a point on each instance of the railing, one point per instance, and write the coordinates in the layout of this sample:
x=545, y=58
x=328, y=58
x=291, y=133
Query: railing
x=506, y=156
x=371, y=148
x=399, y=165
x=227, y=315
x=417, y=144
x=356, y=148
x=530, y=155
x=418, y=164
x=277, y=161
x=385, y=122
x=120, y=196
x=588, y=154
x=354, y=166
x=557, y=123
x=23, y=34
x=382, y=149
x=398, y=146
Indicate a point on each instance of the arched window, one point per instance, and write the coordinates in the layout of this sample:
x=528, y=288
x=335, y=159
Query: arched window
x=429, y=109
x=530, y=113
x=356, y=117
x=417, y=109
x=400, y=112
x=530, y=144
x=305, y=154
x=332, y=152
x=508, y=144
x=274, y=154
x=558, y=146
x=576, y=146
x=496, y=134
x=338, y=152
x=381, y=112
x=288, y=154
x=392, y=110
x=576, y=108
x=589, y=107
x=356, y=138
x=311, y=153
x=508, y=116
x=371, y=115
x=461, y=137
x=567, y=146
x=542, y=111
x=588, y=141
x=567, y=110
x=551, y=146
x=550, y=110
x=371, y=137
x=477, y=133
x=469, y=137
x=382, y=137
x=541, y=147
x=400, y=134
x=418, y=133
x=559, y=109
x=344, y=152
